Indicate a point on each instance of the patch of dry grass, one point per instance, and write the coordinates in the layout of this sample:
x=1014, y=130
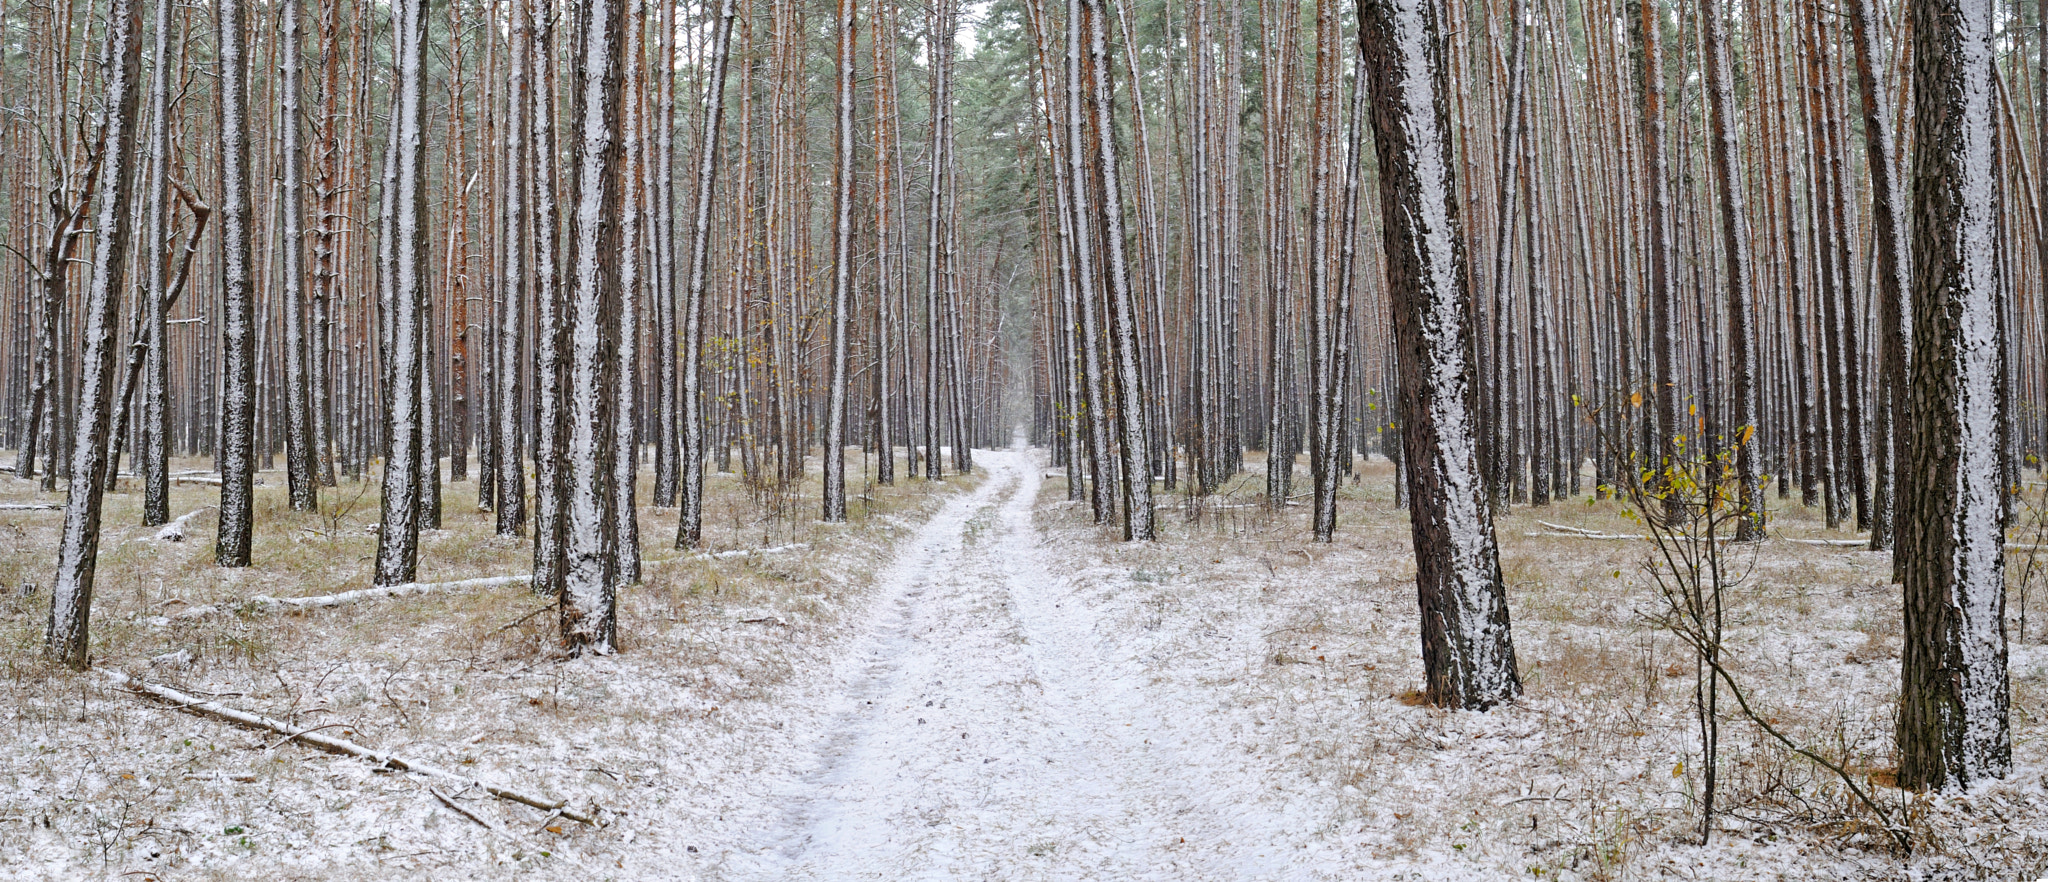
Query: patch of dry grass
x=93, y=781
x=1590, y=775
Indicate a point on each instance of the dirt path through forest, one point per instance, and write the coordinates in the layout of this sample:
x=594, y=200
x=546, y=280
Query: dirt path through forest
x=979, y=732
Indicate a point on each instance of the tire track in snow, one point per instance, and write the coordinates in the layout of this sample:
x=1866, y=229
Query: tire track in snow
x=980, y=734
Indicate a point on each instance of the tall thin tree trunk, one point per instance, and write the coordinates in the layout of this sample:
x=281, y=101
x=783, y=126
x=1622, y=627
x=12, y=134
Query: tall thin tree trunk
x=238, y=295
x=405, y=233
x=78, y=549
x=690, y=521
x=842, y=267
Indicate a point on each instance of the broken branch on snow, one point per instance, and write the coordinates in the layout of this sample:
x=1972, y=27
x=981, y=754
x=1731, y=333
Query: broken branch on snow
x=342, y=746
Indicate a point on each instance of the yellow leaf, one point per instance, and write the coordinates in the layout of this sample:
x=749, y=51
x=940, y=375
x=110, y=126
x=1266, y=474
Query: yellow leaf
x=1635, y=399
x=1678, y=771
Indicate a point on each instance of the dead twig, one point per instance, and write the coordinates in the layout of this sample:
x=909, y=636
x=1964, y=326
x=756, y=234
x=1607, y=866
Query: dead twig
x=382, y=759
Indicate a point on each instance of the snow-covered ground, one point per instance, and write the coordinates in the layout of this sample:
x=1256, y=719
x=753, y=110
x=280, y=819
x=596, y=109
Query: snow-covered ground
x=979, y=684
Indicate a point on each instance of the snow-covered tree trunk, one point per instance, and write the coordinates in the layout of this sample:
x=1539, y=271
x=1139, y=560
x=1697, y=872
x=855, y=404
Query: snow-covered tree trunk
x=942, y=37
x=78, y=549
x=238, y=294
x=1123, y=306
x=1953, y=703
x=405, y=235
x=1080, y=202
x=1468, y=653
x=1646, y=25
x=589, y=600
x=301, y=461
x=668, y=454
x=549, y=341
x=153, y=442
x=1890, y=240
x=690, y=521
x=842, y=267
x=510, y=469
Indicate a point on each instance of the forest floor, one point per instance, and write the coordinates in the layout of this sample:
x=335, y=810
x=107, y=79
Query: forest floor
x=970, y=681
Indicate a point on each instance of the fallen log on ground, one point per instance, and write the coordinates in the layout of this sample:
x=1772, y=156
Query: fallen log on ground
x=31, y=506
x=175, y=530
x=341, y=746
x=266, y=603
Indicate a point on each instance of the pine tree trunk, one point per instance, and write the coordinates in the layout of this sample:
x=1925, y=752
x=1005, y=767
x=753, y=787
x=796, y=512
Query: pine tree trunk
x=1468, y=653
x=301, y=475
x=589, y=391
x=238, y=296
x=842, y=267
x=1742, y=426
x=78, y=549
x=405, y=234
x=690, y=521
x=1954, y=729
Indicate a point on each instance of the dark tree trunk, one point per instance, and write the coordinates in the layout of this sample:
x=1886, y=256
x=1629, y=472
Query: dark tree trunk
x=1953, y=704
x=78, y=549
x=1468, y=652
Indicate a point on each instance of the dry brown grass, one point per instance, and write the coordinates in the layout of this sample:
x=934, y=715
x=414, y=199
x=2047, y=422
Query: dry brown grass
x=94, y=781
x=1582, y=778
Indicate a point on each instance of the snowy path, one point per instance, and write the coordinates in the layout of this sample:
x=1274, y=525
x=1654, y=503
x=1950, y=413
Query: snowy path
x=979, y=733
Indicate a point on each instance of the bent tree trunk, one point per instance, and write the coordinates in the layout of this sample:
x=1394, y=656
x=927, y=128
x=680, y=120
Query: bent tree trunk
x=78, y=553
x=1468, y=654
x=1953, y=726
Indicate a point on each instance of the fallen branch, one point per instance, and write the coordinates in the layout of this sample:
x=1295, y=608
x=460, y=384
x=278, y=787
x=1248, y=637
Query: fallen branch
x=720, y=555
x=341, y=746
x=479, y=819
x=175, y=530
x=1831, y=543
x=31, y=506
x=265, y=603
x=1608, y=537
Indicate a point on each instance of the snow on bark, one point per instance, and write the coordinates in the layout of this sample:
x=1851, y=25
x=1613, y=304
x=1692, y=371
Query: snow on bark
x=78, y=550
x=591, y=570
x=152, y=446
x=842, y=270
x=510, y=469
x=1082, y=243
x=1468, y=653
x=690, y=521
x=1745, y=418
x=406, y=237
x=1123, y=307
x=238, y=296
x=1954, y=701
x=300, y=458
